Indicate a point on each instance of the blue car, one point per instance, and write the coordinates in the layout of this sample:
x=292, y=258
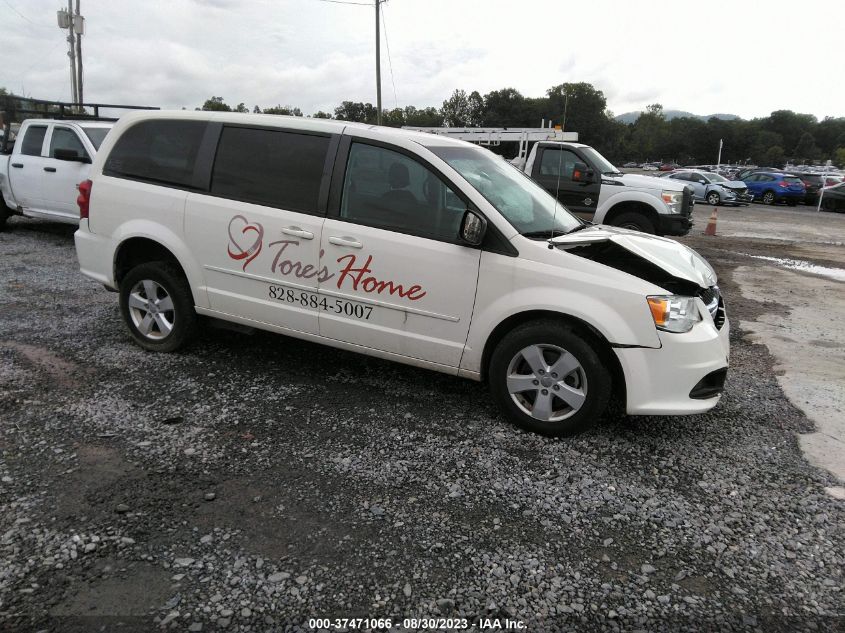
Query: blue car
x=772, y=187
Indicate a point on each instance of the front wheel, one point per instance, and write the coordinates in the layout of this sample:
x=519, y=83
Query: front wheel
x=549, y=379
x=635, y=222
x=157, y=306
x=713, y=198
x=769, y=197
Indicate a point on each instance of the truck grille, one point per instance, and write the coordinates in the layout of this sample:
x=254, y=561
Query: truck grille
x=712, y=298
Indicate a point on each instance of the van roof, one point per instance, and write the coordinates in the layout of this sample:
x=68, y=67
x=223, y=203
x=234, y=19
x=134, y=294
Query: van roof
x=332, y=126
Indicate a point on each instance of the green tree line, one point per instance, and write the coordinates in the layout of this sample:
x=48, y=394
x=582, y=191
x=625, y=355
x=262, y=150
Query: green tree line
x=579, y=107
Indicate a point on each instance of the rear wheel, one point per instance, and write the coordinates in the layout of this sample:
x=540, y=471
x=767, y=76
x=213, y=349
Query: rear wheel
x=769, y=197
x=713, y=198
x=634, y=221
x=157, y=306
x=548, y=378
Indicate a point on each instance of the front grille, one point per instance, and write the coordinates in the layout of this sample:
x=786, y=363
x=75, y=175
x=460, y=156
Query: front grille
x=712, y=298
x=741, y=191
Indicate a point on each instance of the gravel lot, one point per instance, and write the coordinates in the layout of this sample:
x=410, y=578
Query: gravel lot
x=255, y=481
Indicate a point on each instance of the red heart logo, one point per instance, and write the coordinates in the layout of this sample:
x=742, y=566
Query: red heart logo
x=240, y=226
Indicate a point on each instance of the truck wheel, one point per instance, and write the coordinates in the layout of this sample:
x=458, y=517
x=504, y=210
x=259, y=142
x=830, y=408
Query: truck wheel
x=634, y=221
x=548, y=379
x=769, y=197
x=157, y=306
x=5, y=214
x=713, y=198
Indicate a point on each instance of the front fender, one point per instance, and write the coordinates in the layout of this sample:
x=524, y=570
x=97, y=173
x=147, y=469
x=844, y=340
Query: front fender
x=619, y=195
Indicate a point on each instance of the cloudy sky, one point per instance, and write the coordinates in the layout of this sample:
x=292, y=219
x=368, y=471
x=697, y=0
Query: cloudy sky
x=735, y=56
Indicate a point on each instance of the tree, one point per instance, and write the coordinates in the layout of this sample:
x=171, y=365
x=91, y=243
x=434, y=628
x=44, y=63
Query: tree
x=462, y=110
x=775, y=156
x=321, y=115
x=216, y=104
x=256, y=110
x=840, y=157
x=506, y=108
x=356, y=111
x=284, y=110
x=806, y=149
x=241, y=108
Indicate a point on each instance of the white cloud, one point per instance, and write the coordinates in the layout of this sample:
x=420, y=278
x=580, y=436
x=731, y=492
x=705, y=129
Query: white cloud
x=315, y=54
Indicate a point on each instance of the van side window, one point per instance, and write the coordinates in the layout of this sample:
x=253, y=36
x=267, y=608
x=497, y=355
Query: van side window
x=556, y=161
x=33, y=140
x=389, y=190
x=269, y=167
x=64, y=138
x=157, y=151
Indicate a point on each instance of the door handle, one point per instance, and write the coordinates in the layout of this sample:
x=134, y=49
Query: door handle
x=298, y=232
x=50, y=169
x=351, y=242
x=18, y=165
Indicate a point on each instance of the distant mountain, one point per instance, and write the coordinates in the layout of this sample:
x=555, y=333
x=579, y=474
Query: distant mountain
x=630, y=117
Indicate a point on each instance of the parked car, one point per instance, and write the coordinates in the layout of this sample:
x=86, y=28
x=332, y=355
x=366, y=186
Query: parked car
x=834, y=198
x=631, y=165
x=774, y=187
x=50, y=158
x=711, y=187
x=650, y=167
x=402, y=245
x=668, y=166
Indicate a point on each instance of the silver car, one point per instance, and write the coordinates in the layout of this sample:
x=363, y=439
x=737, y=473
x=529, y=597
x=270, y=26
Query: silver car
x=712, y=188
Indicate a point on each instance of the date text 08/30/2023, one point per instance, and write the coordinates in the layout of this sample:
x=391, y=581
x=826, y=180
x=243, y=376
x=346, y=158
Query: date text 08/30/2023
x=417, y=624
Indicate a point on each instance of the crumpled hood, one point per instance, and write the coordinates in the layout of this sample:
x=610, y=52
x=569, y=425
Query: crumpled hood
x=676, y=259
x=733, y=184
x=649, y=182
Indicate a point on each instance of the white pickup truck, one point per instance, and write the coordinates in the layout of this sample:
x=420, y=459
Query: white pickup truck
x=592, y=188
x=50, y=158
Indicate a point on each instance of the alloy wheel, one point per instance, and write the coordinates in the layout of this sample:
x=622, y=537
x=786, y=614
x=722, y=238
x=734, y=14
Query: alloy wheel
x=547, y=382
x=151, y=310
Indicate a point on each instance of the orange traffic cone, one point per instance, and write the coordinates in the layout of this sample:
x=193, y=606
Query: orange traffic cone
x=710, y=229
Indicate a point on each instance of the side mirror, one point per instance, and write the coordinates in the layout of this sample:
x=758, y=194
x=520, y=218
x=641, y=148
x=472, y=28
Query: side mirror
x=70, y=155
x=473, y=228
x=582, y=173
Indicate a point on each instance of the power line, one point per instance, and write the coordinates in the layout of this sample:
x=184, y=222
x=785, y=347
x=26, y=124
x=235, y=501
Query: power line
x=389, y=61
x=360, y=4
x=8, y=4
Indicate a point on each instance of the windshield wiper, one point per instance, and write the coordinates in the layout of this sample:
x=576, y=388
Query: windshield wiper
x=549, y=234
x=612, y=173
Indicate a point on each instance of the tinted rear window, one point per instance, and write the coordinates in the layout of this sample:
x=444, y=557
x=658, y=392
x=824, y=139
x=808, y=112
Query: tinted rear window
x=96, y=135
x=157, y=151
x=793, y=180
x=33, y=140
x=269, y=167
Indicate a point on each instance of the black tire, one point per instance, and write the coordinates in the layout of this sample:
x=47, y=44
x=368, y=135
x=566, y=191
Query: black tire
x=769, y=197
x=5, y=213
x=591, y=379
x=635, y=221
x=792, y=203
x=181, y=318
x=713, y=198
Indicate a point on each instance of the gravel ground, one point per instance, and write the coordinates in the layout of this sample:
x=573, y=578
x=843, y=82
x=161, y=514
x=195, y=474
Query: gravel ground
x=255, y=481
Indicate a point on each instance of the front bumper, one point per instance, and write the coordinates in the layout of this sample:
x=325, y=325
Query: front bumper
x=673, y=224
x=662, y=381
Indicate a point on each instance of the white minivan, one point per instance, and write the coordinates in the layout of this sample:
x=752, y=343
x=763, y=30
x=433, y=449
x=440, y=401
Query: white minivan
x=402, y=245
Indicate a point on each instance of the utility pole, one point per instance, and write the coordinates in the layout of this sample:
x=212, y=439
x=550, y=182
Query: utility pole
x=79, y=27
x=75, y=25
x=378, y=66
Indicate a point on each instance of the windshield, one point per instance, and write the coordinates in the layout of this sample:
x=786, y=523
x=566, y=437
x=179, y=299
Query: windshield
x=96, y=134
x=717, y=178
x=600, y=162
x=792, y=180
x=523, y=203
